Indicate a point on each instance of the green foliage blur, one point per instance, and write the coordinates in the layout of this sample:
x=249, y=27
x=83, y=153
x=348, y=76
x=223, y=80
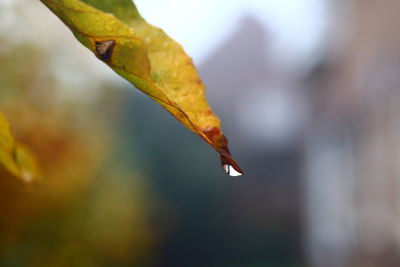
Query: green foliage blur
x=90, y=209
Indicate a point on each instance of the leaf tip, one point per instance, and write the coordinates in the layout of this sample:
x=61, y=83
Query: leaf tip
x=217, y=139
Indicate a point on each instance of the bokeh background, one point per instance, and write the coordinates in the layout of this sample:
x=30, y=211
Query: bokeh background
x=308, y=93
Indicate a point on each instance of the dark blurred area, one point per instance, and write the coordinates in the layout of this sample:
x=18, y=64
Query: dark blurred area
x=127, y=185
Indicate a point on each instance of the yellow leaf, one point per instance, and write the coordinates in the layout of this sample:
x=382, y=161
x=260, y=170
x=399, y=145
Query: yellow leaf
x=145, y=56
x=16, y=158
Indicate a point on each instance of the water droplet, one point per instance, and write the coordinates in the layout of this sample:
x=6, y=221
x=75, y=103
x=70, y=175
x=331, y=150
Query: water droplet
x=231, y=171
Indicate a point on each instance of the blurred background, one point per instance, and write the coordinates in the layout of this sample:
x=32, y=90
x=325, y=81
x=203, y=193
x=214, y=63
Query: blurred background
x=307, y=91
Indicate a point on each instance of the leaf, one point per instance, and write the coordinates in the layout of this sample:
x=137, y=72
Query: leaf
x=16, y=158
x=145, y=56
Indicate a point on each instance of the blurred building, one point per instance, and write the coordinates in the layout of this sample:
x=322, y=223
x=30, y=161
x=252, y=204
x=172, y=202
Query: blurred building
x=261, y=119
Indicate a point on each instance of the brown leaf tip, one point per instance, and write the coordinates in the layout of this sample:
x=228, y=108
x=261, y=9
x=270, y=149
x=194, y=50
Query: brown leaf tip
x=104, y=49
x=230, y=166
x=220, y=143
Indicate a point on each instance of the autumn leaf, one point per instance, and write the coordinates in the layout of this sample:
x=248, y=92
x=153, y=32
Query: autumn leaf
x=145, y=56
x=16, y=158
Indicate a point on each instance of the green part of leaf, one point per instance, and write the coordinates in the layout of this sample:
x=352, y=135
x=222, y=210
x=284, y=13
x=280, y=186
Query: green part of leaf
x=145, y=56
x=16, y=158
x=125, y=10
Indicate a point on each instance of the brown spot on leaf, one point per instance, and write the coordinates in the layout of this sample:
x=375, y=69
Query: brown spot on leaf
x=216, y=136
x=104, y=49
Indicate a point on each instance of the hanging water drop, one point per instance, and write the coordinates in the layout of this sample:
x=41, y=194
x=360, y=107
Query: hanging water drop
x=231, y=171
